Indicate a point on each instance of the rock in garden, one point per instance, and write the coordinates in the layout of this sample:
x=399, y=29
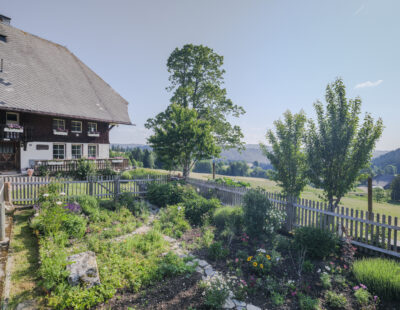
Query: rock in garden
x=27, y=305
x=202, y=263
x=229, y=304
x=239, y=303
x=252, y=307
x=83, y=269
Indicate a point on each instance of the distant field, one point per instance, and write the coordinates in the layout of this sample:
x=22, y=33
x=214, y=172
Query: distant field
x=351, y=200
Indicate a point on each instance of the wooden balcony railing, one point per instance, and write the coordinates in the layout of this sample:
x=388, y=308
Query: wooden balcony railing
x=23, y=134
x=70, y=165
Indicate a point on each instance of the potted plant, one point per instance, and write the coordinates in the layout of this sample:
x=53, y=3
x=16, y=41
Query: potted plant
x=60, y=131
x=14, y=128
x=93, y=133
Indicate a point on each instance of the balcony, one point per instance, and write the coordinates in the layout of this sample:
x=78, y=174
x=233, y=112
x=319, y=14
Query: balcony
x=15, y=133
x=70, y=165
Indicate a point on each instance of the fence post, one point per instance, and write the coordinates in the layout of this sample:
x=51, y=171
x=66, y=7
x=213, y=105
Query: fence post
x=91, y=183
x=3, y=239
x=116, y=187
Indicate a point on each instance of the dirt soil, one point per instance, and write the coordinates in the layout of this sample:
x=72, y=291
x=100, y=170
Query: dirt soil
x=180, y=292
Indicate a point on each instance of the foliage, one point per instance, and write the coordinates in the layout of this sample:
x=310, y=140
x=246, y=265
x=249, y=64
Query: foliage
x=199, y=210
x=217, y=251
x=277, y=299
x=170, y=193
x=380, y=275
x=335, y=301
x=339, y=147
x=287, y=156
x=132, y=203
x=217, y=291
x=230, y=218
x=231, y=182
x=203, y=166
x=74, y=225
x=362, y=296
x=326, y=280
x=181, y=138
x=319, y=243
x=90, y=206
x=172, y=221
x=308, y=303
x=395, y=187
x=263, y=261
x=259, y=216
x=138, y=173
x=379, y=194
x=85, y=168
x=196, y=80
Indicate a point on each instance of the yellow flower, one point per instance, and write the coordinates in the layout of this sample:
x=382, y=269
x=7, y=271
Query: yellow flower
x=249, y=258
x=255, y=264
x=261, y=266
x=268, y=257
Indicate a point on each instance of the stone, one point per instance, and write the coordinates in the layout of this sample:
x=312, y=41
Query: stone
x=27, y=305
x=252, y=307
x=83, y=268
x=209, y=271
x=202, y=263
x=190, y=264
x=229, y=304
x=169, y=239
x=239, y=303
x=199, y=270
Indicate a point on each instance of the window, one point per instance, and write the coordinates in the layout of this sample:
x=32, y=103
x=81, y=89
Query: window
x=92, y=127
x=58, y=124
x=76, y=126
x=12, y=118
x=58, y=151
x=92, y=151
x=76, y=151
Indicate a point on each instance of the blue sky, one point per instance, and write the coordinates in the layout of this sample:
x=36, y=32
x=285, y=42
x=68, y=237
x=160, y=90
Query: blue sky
x=279, y=54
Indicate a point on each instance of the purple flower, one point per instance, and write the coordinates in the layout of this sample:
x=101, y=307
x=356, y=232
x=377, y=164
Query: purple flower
x=375, y=298
x=73, y=207
x=356, y=288
x=363, y=286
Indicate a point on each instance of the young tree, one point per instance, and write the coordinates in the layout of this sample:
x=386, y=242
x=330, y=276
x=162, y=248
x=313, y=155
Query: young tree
x=181, y=139
x=286, y=156
x=196, y=82
x=148, y=159
x=395, y=187
x=339, y=147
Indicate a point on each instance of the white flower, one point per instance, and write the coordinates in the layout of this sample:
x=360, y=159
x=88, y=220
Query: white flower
x=59, y=202
x=179, y=208
x=319, y=270
x=327, y=268
x=45, y=195
x=62, y=194
x=262, y=251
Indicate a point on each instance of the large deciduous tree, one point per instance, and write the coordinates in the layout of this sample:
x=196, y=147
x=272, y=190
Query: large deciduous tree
x=286, y=155
x=180, y=138
x=338, y=146
x=196, y=77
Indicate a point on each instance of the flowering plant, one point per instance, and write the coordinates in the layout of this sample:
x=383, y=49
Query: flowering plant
x=73, y=207
x=263, y=261
x=61, y=129
x=14, y=126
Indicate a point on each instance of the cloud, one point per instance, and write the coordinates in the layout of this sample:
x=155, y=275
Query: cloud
x=360, y=9
x=368, y=84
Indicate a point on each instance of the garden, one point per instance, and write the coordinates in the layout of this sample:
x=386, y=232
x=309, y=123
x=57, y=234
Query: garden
x=180, y=250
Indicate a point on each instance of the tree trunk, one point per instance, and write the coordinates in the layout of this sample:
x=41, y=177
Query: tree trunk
x=186, y=170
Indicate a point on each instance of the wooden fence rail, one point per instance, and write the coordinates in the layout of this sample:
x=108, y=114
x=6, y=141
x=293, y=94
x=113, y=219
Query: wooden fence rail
x=371, y=231
x=26, y=190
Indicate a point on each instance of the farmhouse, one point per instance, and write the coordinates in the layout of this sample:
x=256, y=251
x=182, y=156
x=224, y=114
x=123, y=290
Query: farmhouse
x=53, y=108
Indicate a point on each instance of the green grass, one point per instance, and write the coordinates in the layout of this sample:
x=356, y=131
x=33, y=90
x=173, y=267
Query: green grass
x=24, y=252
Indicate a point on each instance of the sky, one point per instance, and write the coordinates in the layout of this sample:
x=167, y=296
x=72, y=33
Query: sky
x=278, y=54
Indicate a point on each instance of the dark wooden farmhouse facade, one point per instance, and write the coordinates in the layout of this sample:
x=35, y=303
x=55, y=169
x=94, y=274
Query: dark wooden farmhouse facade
x=52, y=106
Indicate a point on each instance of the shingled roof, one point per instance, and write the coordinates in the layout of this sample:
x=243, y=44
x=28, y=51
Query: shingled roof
x=40, y=76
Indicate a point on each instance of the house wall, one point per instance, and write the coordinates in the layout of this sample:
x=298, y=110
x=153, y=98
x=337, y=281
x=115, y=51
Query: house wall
x=31, y=153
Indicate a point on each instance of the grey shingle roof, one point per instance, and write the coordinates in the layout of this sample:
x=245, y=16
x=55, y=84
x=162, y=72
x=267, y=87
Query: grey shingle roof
x=41, y=76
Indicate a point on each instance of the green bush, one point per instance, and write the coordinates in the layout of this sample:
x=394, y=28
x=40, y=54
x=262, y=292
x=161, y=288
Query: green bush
x=308, y=303
x=259, y=216
x=74, y=225
x=319, y=243
x=380, y=275
x=90, y=206
x=199, y=209
x=216, y=293
x=172, y=221
x=139, y=173
x=335, y=301
x=228, y=216
x=217, y=251
x=131, y=202
x=362, y=296
x=230, y=182
x=326, y=280
x=170, y=193
x=85, y=168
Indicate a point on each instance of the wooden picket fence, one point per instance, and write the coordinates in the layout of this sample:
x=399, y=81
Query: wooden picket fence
x=26, y=190
x=370, y=231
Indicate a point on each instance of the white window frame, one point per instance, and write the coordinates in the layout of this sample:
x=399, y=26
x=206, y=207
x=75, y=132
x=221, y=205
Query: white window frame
x=72, y=151
x=76, y=131
x=58, y=144
x=97, y=150
x=59, y=119
x=12, y=122
x=92, y=123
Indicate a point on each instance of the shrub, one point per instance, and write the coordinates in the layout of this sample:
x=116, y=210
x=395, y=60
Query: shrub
x=199, y=210
x=334, y=300
x=172, y=265
x=228, y=216
x=308, y=303
x=362, y=296
x=326, y=280
x=381, y=276
x=217, y=251
x=85, y=168
x=308, y=266
x=170, y=193
x=139, y=173
x=319, y=243
x=74, y=225
x=277, y=299
x=216, y=293
x=137, y=207
x=172, y=221
x=90, y=206
x=231, y=182
x=259, y=216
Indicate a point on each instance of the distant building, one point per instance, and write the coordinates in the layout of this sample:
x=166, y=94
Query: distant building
x=52, y=106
